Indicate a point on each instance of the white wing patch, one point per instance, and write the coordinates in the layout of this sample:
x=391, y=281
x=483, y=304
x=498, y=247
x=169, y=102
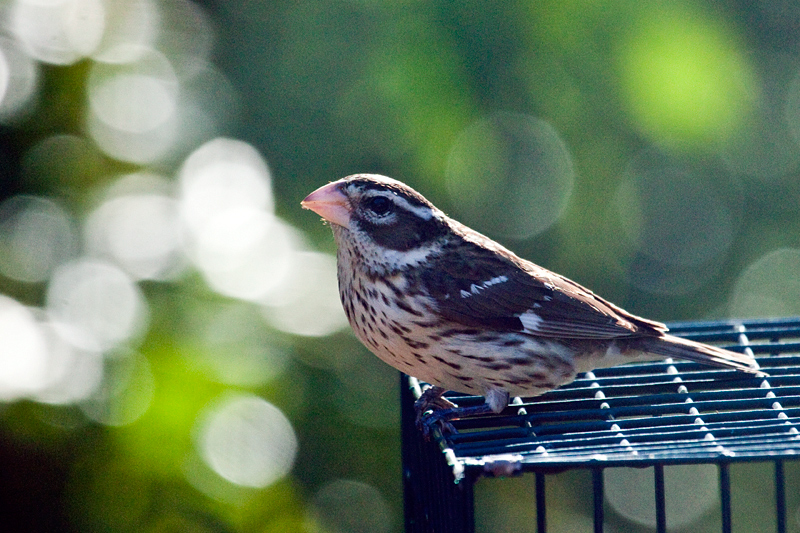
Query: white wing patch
x=476, y=289
x=530, y=321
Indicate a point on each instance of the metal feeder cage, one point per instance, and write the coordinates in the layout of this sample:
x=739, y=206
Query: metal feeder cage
x=648, y=415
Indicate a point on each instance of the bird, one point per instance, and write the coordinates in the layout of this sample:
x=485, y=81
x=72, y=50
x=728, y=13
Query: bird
x=441, y=302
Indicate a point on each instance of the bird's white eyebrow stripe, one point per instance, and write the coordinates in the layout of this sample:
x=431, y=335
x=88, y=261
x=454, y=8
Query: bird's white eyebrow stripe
x=423, y=212
x=476, y=289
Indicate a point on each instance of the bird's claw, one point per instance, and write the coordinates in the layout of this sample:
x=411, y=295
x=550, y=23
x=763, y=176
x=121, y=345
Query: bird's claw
x=434, y=410
x=439, y=418
x=432, y=399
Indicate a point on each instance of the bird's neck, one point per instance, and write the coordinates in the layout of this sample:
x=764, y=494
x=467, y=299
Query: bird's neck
x=362, y=253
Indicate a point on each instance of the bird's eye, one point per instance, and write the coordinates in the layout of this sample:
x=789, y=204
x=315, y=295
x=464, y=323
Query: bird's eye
x=380, y=205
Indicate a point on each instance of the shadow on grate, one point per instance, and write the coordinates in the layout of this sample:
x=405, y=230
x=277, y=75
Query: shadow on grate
x=640, y=415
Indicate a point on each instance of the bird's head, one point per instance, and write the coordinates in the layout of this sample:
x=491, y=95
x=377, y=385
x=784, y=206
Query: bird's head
x=379, y=213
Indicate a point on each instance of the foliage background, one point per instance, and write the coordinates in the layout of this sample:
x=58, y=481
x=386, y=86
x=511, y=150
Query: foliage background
x=172, y=355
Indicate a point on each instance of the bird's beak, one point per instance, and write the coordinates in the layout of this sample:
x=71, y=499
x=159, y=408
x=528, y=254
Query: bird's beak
x=330, y=203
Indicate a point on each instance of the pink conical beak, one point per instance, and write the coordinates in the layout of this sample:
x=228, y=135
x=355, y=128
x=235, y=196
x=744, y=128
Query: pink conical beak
x=330, y=203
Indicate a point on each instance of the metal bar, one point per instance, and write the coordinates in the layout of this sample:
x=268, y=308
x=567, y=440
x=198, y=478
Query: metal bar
x=597, y=486
x=725, y=496
x=432, y=500
x=780, y=498
x=541, y=505
x=661, y=500
x=407, y=448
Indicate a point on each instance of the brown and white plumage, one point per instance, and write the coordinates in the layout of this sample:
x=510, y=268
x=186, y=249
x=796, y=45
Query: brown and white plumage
x=441, y=302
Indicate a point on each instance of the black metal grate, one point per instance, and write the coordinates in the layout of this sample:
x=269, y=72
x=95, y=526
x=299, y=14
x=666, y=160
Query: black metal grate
x=648, y=414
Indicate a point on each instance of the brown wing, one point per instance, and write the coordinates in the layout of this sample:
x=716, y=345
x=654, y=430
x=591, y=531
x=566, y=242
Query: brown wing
x=491, y=287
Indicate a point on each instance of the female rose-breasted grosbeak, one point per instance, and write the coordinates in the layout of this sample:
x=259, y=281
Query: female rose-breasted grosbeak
x=443, y=303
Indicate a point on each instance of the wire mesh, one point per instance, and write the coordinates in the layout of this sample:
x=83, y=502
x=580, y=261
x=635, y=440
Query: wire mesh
x=644, y=414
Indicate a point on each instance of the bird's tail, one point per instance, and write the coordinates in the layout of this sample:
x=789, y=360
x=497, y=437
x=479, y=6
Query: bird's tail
x=679, y=348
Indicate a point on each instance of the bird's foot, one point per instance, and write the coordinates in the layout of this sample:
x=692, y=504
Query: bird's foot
x=432, y=398
x=440, y=419
x=435, y=411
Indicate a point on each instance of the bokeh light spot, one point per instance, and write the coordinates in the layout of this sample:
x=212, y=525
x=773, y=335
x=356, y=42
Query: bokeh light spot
x=37, y=363
x=245, y=253
x=23, y=351
x=683, y=77
x=226, y=205
x=133, y=107
x=510, y=174
x=141, y=232
x=629, y=491
x=187, y=37
x=121, y=103
x=221, y=175
x=247, y=441
x=352, y=506
x=97, y=306
x=18, y=79
x=131, y=28
x=307, y=301
x=792, y=110
x=59, y=31
x=676, y=223
x=73, y=373
x=764, y=145
x=770, y=287
x=36, y=235
x=5, y=75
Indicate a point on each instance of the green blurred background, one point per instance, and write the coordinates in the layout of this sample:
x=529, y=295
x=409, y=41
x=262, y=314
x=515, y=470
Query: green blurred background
x=173, y=356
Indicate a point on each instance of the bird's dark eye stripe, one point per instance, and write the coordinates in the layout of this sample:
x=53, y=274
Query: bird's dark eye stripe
x=408, y=231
